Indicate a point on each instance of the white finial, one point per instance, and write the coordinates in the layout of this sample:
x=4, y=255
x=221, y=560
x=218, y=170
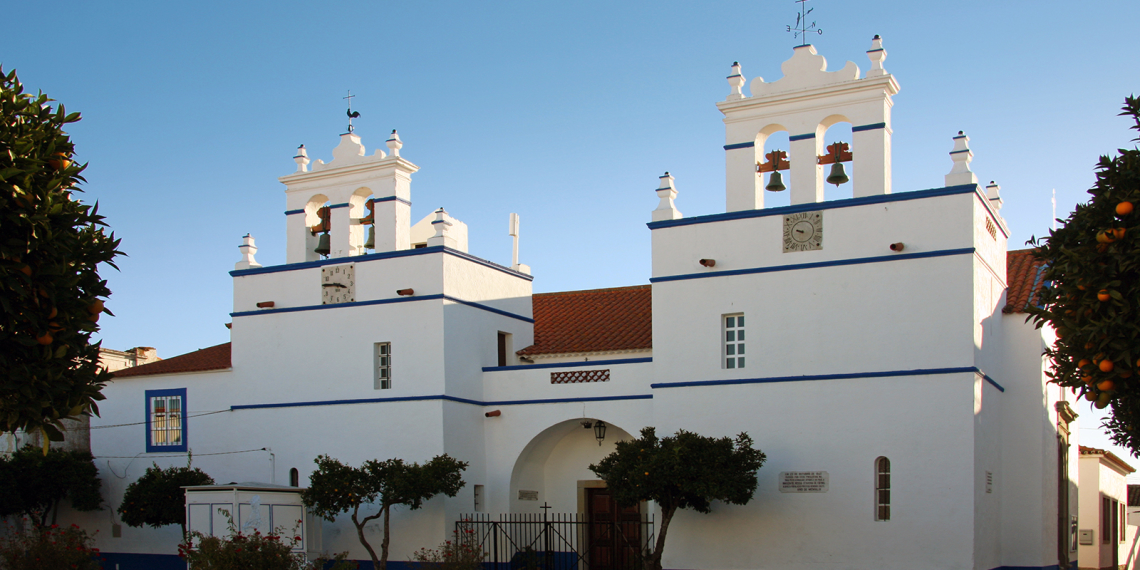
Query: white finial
x=993, y=193
x=302, y=159
x=736, y=83
x=442, y=226
x=876, y=54
x=394, y=144
x=962, y=155
x=666, y=210
x=248, y=249
x=1055, y=213
x=513, y=231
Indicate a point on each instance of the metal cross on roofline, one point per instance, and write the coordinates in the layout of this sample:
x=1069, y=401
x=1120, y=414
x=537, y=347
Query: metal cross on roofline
x=351, y=114
x=802, y=27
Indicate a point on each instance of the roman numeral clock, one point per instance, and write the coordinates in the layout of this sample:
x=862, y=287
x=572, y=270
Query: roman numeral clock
x=338, y=284
x=803, y=231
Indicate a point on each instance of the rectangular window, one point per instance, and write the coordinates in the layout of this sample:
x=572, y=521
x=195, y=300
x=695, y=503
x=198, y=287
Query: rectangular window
x=478, y=498
x=383, y=366
x=166, y=420
x=733, y=341
x=1105, y=520
x=1123, y=522
x=504, y=348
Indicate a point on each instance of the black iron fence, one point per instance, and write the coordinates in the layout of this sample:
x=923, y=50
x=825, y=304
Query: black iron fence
x=557, y=541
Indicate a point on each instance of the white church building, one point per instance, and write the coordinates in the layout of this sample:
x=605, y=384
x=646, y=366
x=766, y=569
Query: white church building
x=874, y=347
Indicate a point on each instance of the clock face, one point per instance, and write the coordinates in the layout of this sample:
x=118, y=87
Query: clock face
x=803, y=231
x=338, y=284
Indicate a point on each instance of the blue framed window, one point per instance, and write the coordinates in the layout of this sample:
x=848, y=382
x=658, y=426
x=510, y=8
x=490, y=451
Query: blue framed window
x=166, y=420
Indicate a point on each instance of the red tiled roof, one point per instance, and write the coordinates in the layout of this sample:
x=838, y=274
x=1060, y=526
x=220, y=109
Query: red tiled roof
x=592, y=321
x=213, y=358
x=1023, y=272
x=1110, y=456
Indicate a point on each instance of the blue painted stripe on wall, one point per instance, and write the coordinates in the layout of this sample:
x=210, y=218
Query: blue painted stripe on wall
x=830, y=205
x=800, y=266
x=870, y=127
x=845, y=376
x=333, y=206
x=801, y=137
x=291, y=212
x=392, y=199
x=740, y=145
x=567, y=364
x=992, y=381
x=375, y=256
x=382, y=302
x=443, y=397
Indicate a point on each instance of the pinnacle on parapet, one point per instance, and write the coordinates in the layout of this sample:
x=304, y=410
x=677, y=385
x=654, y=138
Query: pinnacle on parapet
x=302, y=159
x=395, y=144
x=961, y=155
x=666, y=209
x=876, y=54
x=735, y=83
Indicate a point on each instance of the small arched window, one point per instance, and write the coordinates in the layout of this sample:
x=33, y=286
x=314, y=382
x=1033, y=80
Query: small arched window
x=882, y=489
x=294, y=478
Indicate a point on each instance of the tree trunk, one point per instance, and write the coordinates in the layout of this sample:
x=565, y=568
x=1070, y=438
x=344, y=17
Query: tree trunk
x=384, y=545
x=360, y=534
x=654, y=560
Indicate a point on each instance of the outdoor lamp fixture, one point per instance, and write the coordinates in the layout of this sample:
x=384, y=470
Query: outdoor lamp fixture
x=600, y=431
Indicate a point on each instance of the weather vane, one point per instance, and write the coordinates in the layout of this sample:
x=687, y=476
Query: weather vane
x=802, y=28
x=353, y=114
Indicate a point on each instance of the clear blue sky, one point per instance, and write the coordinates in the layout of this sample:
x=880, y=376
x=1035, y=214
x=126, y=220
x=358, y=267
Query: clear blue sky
x=565, y=113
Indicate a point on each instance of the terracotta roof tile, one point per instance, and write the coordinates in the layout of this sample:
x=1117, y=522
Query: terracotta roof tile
x=1023, y=272
x=213, y=358
x=1110, y=456
x=592, y=321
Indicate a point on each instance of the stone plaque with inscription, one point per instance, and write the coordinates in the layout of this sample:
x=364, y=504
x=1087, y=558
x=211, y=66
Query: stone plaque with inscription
x=803, y=481
x=528, y=495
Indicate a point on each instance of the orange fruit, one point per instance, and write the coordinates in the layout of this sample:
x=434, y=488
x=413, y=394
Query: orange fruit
x=54, y=326
x=26, y=270
x=1103, y=295
x=1083, y=363
x=60, y=162
x=53, y=313
x=1106, y=385
x=45, y=339
x=1118, y=233
x=95, y=307
x=1106, y=365
x=1103, y=236
x=1124, y=208
x=1090, y=395
x=94, y=317
x=1125, y=373
x=1087, y=379
x=1088, y=346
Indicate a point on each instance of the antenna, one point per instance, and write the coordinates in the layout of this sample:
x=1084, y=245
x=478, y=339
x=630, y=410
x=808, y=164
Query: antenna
x=1055, y=210
x=802, y=28
x=513, y=231
x=351, y=114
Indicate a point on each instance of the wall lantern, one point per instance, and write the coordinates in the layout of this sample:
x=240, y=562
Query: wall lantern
x=600, y=431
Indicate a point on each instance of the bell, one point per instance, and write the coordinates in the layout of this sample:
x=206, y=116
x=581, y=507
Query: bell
x=775, y=183
x=370, y=243
x=837, y=175
x=323, y=245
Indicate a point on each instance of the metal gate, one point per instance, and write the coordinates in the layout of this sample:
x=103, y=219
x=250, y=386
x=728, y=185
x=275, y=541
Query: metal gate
x=558, y=541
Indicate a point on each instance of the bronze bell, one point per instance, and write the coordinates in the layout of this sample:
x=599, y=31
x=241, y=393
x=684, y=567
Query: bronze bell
x=323, y=245
x=370, y=243
x=837, y=176
x=775, y=182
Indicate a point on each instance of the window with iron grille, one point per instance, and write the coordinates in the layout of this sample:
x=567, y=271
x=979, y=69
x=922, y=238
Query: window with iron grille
x=383, y=365
x=166, y=420
x=1105, y=520
x=882, y=489
x=733, y=341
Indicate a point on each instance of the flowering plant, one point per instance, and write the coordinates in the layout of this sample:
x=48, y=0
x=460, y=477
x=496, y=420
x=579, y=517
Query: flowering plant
x=240, y=551
x=462, y=553
x=48, y=547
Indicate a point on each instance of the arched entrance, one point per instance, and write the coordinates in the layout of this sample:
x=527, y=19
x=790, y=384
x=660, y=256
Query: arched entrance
x=554, y=468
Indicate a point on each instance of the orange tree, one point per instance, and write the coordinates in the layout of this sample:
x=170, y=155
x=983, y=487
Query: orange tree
x=336, y=488
x=681, y=471
x=1092, y=297
x=50, y=290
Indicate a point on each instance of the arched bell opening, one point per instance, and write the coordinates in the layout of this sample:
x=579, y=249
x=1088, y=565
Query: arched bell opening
x=361, y=229
x=836, y=156
x=554, y=467
x=773, y=165
x=318, y=223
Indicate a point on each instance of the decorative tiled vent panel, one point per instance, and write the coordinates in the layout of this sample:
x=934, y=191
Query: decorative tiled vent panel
x=580, y=376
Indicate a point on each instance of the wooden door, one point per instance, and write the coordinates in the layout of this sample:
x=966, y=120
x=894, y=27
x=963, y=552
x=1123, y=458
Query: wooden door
x=614, y=532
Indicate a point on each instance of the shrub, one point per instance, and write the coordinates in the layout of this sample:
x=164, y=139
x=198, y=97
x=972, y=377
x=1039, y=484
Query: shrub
x=272, y=551
x=462, y=553
x=48, y=547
